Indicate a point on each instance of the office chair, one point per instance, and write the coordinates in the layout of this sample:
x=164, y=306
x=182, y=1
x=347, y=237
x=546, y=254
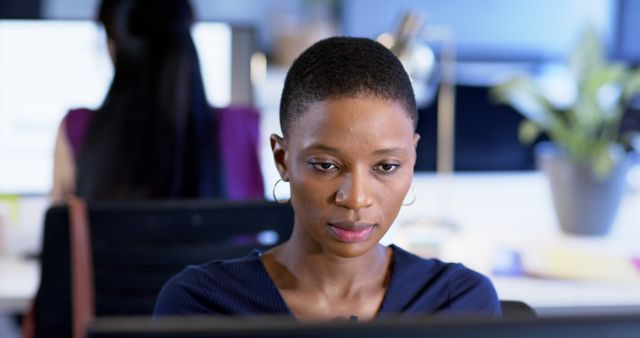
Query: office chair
x=50, y=312
x=514, y=309
x=112, y=259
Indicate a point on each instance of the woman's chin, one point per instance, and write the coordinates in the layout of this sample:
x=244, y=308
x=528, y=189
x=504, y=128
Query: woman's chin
x=350, y=250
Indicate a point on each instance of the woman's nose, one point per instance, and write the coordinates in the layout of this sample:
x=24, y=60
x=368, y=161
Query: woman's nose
x=354, y=192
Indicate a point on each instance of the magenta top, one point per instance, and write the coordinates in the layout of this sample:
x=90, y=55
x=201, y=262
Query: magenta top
x=238, y=134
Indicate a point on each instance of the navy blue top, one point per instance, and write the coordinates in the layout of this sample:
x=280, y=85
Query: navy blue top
x=242, y=287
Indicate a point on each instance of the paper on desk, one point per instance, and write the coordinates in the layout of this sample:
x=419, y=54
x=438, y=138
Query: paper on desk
x=424, y=237
x=558, y=257
x=575, y=263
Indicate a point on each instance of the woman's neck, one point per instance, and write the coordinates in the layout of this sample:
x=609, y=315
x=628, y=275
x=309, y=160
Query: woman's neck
x=313, y=267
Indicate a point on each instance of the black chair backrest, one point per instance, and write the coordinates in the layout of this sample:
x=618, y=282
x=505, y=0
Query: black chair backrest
x=137, y=247
x=53, y=300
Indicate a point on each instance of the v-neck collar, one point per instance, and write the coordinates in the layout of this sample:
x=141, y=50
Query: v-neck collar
x=385, y=307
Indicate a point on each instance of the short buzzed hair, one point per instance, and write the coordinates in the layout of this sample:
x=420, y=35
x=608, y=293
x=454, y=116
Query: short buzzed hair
x=341, y=67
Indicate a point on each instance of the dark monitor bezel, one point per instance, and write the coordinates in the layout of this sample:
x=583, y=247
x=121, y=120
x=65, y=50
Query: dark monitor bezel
x=592, y=326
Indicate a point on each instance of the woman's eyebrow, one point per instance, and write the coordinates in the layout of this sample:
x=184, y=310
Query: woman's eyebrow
x=391, y=150
x=322, y=147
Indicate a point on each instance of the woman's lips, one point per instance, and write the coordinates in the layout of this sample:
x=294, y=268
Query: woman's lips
x=350, y=232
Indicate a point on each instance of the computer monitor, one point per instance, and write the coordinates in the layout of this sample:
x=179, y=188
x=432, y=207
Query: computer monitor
x=50, y=66
x=618, y=326
x=627, y=31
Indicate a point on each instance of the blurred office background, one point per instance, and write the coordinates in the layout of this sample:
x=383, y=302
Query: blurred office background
x=493, y=39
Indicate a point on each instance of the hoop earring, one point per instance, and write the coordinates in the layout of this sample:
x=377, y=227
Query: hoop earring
x=273, y=193
x=413, y=199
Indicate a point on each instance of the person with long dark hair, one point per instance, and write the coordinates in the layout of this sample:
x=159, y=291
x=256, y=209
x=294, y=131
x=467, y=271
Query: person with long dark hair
x=155, y=136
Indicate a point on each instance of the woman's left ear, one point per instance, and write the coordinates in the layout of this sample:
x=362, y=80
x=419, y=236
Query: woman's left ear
x=280, y=156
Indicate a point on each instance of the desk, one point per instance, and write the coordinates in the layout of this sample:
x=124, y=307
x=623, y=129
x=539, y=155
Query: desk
x=495, y=213
x=18, y=283
x=21, y=222
x=491, y=212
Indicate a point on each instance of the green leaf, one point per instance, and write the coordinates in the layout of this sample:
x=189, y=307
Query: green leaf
x=523, y=94
x=591, y=125
x=588, y=54
x=602, y=166
x=528, y=132
x=631, y=86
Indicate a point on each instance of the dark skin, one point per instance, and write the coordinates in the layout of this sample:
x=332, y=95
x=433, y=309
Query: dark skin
x=349, y=162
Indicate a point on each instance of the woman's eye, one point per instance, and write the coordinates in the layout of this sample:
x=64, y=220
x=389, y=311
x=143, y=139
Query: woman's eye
x=386, y=167
x=324, y=166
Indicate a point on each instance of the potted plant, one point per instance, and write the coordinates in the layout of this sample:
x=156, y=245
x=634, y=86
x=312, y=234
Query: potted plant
x=579, y=105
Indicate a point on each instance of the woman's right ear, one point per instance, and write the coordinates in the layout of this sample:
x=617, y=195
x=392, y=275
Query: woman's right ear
x=278, y=147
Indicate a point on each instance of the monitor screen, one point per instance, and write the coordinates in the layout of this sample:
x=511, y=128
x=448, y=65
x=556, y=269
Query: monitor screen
x=50, y=66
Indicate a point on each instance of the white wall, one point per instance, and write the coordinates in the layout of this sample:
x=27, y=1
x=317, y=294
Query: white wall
x=541, y=28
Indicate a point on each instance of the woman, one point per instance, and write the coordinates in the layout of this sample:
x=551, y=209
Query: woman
x=348, y=117
x=155, y=135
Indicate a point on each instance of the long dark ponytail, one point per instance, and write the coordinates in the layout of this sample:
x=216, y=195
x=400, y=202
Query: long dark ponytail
x=153, y=137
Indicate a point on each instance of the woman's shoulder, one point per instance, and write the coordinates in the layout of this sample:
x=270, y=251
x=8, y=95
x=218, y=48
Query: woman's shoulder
x=78, y=117
x=217, y=287
x=432, y=267
x=450, y=287
x=76, y=124
x=242, y=267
